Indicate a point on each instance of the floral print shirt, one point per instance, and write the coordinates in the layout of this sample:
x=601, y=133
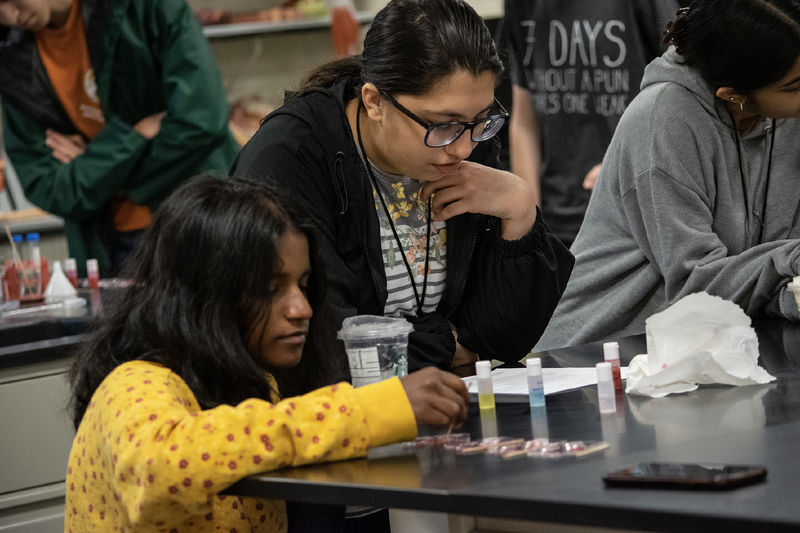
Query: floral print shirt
x=410, y=217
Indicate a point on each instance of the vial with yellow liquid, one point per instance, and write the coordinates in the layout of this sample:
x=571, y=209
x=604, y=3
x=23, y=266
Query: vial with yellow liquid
x=485, y=392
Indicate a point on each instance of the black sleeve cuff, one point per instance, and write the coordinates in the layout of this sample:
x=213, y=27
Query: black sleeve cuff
x=527, y=243
x=431, y=343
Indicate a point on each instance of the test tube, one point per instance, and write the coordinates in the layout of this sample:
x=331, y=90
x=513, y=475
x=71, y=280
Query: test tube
x=93, y=273
x=539, y=422
x=71, y=270
x=17, y=245
x=488, y=422
x=535, y=385
x=611, y=355
x=605, y=388
x=36, y=262
x=485, y=391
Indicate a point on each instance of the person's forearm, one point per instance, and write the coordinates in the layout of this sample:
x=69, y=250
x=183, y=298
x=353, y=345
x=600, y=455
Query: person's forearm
x=525, y=140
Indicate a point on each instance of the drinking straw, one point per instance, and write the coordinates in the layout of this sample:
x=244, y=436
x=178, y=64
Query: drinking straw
x=17, y=259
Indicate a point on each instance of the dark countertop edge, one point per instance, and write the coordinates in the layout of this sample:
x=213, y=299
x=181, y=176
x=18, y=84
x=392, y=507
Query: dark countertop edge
x=37, y=351
x=333, y=493
x=455, y=502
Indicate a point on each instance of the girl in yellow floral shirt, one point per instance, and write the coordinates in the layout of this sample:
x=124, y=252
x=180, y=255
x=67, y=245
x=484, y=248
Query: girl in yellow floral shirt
x=170, y=396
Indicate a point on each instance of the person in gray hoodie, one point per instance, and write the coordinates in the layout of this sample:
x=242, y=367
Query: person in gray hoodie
x=700, y=187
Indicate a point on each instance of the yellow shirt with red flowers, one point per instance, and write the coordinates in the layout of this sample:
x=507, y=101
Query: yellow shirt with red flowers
x=147, y=458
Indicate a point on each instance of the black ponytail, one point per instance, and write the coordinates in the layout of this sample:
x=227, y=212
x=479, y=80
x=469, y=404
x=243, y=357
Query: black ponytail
x=413, y=44
x=743, y=44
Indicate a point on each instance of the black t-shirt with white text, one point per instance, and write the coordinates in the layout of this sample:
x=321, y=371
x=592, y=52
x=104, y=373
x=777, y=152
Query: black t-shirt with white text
x=582, y=62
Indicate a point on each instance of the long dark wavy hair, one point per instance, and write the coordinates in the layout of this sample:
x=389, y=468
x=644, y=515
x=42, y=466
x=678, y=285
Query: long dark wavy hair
x=743, y=44
x=201, y=276
x=411, y=45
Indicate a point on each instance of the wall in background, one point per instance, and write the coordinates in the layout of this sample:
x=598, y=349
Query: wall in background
x=269, y=64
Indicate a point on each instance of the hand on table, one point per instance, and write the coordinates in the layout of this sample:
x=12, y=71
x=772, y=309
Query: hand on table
x=475, y=188
x=65, y=147
x=437, y=398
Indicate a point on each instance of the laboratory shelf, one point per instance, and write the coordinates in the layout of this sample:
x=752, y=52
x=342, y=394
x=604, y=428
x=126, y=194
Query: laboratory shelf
x=239, y=29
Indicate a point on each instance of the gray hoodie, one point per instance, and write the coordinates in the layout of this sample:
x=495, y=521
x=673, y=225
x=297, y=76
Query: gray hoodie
x=674, y=212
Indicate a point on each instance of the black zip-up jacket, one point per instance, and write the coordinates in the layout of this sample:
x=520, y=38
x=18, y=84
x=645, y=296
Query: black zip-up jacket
x=499, y=294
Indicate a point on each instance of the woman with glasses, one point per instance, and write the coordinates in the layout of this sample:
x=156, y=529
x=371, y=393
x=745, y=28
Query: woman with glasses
x=393, y=153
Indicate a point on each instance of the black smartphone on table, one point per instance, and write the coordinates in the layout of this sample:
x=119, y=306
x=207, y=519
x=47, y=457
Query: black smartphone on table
x=685, y=475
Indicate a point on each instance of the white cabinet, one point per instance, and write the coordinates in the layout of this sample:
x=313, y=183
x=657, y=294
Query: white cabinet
x=35, y=440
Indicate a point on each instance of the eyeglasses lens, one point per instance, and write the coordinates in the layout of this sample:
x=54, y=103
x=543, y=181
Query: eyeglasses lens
x=445, y=134
x=487, y=129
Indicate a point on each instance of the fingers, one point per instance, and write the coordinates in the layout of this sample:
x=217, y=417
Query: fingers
x=474, y=188
x=452, y=210
x=77, y=140
x=591, y=177
x=429, y=188
x=150, y=126
x=437, y=398
x=448, y=203
x=457, y=385
x=65, y=147
x=454, y=397
x=454, y=197
x=443, y=412
x=61, y=156
x=463, y=356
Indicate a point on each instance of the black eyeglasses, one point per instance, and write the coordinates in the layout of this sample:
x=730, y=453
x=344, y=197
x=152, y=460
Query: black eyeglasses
x=440, y=134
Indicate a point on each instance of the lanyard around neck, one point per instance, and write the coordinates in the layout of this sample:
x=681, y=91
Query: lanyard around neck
x=419, y=299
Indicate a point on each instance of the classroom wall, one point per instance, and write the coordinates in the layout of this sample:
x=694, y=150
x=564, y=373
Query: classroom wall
x=267, y=65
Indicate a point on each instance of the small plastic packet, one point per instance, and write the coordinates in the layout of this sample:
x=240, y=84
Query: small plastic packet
x=472, y=447
x=513, y=451
x=454, y=440
x=497, y=445
x=426, y=441
x=545, y=449
x=448, y=441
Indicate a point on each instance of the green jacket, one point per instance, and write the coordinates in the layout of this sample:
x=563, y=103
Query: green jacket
x=148, y=56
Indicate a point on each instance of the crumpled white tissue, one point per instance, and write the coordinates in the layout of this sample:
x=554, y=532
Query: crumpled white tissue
x=58, y=288
x=700, y=339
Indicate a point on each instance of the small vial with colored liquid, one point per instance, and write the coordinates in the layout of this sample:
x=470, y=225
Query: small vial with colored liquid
x=611, y=355
x=605, y=389
x=71, y=271
x=33, y=283
x=93, y=273
x=535, y=383
x=485, y=391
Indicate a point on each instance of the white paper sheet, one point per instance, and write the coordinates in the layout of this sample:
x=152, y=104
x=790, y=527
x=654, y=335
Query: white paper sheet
x=515, y=380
